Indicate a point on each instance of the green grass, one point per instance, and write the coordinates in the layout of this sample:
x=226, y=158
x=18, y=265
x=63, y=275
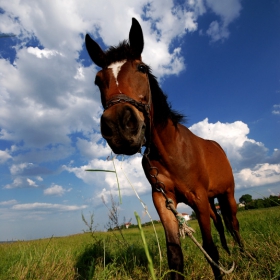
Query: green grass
x=82, y=257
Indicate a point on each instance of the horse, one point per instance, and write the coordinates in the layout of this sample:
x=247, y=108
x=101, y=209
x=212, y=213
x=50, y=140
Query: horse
x=178, y=164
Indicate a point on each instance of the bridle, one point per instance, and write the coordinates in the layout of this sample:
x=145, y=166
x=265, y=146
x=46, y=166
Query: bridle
x=145, y=108
x=122, y=98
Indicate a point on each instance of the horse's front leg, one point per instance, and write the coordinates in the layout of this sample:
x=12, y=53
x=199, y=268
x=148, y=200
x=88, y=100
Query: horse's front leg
x=171, y=228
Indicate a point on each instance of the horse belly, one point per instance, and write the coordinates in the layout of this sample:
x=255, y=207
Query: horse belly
x=219, y=173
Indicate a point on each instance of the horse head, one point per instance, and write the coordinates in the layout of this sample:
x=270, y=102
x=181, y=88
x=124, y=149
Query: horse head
x=125, y=92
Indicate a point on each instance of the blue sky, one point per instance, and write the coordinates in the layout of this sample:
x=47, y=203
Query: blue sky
x=218, y=61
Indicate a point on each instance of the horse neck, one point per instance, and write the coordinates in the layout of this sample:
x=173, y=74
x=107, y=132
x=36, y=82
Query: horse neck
x=163, y=140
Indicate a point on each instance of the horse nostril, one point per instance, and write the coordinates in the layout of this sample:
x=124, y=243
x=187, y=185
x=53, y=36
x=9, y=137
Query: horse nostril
x=106, y=130
x=129, y=120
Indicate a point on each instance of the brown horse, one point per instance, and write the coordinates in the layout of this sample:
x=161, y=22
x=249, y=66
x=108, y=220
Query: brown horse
x=186, y=167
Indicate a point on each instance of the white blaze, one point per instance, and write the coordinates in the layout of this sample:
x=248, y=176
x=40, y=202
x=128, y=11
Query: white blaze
x=116, y=68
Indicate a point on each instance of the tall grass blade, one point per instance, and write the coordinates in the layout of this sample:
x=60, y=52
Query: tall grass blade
x=147, y=212
x=113, y=171
x=150, y=262
x=40, y=260
x=100, y=170
x=120, y=197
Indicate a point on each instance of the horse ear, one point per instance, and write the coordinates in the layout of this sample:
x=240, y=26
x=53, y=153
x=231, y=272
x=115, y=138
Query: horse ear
x=136, y=39
x=95, y=52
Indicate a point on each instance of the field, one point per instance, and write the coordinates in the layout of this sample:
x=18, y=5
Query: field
x=109, y=256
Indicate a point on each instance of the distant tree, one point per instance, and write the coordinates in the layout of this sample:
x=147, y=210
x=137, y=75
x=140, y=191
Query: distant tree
x=259, y=203
x=245, y=199
x=193, y=215
x=274, y=200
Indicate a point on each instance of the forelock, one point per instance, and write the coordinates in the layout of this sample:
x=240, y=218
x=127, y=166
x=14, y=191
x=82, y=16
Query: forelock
x=120, y=53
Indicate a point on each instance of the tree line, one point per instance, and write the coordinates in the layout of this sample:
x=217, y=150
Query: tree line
x=250, y=203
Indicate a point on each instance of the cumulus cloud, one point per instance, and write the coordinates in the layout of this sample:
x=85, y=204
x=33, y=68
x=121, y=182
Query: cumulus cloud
x=95, y=147
x=40, y=53
x=227, y=11
x=31, y=183
x=129, y=171
x=37, y=206
x=21, y=182
x=34, y=102
x=55, y=190
x=276, y=109
x=8, y=202
x=275, y=157
x=28, y=169
x=4, y=156
x=261, y=174
x=217, y=31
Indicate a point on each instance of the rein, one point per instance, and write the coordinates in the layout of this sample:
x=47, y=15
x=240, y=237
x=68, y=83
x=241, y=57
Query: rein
x=184, y=228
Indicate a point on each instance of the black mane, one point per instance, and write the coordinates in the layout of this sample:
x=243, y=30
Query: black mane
x=162, y=108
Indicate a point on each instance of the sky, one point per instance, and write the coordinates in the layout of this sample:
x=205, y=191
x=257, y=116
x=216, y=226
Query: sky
x=217, y=60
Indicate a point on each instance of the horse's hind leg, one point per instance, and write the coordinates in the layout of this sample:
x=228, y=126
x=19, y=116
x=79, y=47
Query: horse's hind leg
x=202, y=210
x=229, y=209
x=218, y=224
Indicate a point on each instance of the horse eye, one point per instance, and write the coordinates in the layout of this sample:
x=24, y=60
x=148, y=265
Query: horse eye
x=142, y=68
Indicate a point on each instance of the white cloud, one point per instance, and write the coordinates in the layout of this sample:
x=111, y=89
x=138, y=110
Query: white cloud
x=34, y=102
x=18, y=168
x=260, y=175
x=37, y=206
x=20, y=182
x=227, y=11
x=55, y=190
x=8, y=202
x=217, y=31
x=4, y=156
x=276, y=109
x=31, y=183
x=105, y=183
x=40, y=53
x=17, y=183
x=95, y=148
x=28, y=168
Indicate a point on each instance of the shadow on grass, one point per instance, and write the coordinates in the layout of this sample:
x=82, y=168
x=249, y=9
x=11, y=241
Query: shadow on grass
x=117, y=257
x=92, y=256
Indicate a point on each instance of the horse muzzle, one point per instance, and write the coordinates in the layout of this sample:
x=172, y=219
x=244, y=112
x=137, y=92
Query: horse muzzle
x=123, y=127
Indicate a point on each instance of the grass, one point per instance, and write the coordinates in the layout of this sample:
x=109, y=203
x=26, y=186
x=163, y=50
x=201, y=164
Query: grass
x=81, y=257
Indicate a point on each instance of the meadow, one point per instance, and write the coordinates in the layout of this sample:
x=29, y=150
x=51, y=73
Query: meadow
x=108, y=255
